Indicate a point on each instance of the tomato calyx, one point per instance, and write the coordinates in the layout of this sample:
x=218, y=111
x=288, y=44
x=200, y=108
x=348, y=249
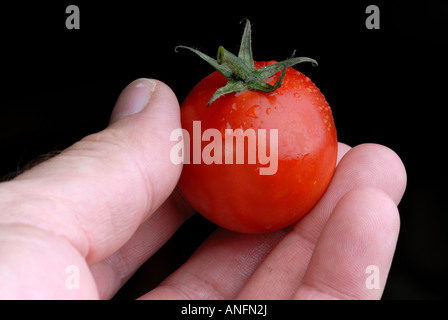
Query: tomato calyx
x=240, y=70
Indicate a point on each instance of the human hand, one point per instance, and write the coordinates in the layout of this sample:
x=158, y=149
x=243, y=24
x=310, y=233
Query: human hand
x=107, y=203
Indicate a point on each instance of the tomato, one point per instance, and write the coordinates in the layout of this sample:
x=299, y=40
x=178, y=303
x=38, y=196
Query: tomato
x=235, y=194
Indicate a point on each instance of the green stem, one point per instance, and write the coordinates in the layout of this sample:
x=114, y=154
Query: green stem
x=240, y=70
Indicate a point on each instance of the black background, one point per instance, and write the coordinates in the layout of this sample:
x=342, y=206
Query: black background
x=385, y=86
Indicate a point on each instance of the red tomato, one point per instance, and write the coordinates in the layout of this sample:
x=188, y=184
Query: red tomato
x=236, y=196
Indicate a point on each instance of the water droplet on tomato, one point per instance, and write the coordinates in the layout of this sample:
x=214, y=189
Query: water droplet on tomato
x=253, y=111
x=268, y=110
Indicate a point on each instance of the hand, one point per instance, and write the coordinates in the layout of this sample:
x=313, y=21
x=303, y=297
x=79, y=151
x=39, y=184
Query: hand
x=106, y=204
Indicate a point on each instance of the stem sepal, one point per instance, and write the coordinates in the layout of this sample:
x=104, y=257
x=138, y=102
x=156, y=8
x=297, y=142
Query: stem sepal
x=240, y=70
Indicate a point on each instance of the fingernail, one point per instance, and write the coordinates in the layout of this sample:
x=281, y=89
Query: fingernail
x=133, y=99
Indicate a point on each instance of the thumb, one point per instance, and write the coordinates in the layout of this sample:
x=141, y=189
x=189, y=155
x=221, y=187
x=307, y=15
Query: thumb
x=98, y=191
x=145, y=114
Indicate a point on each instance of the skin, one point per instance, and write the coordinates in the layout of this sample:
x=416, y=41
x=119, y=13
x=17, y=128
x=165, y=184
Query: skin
x=107, y=203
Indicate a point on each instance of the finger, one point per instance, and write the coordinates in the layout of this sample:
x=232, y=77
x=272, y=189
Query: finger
x=36, y=264
x=353, y=255
x=112, y=273
x=342, y=150
x=365, y=165
x=96, y=193
x=219, y=268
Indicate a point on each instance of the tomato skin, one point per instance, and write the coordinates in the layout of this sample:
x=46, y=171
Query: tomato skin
x=236, y=196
